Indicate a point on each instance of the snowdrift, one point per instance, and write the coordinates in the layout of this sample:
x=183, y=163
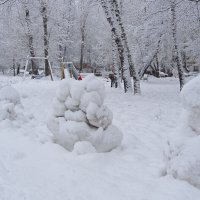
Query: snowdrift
x=79, y=115
x=185, y=156
x=9, y=103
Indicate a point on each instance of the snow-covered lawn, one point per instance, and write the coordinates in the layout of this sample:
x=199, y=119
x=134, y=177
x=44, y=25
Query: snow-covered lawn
x=33, y=167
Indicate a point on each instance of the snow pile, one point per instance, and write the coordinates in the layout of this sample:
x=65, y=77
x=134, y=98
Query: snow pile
x=9, y=101
x=191, y=102
x=185, y=163
x=80, y=116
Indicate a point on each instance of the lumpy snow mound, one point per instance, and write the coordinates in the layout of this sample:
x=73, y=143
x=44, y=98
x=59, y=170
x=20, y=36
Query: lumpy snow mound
x=79, y=115
x=9, y=101
x=185, y=158
x=191, y=101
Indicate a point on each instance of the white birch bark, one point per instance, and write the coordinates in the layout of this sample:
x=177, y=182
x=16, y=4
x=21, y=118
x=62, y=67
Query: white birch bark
x=43, y=11
x=132, y=68
x=175, y=56
x=124, y=68
x=30, y=38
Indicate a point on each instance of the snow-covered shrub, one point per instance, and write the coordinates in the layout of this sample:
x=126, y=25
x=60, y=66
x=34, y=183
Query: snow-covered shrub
x=185, y=161
x=190, y=96
x=185, y=156
x=9, y=100
x=80, y=117
x=10, y=95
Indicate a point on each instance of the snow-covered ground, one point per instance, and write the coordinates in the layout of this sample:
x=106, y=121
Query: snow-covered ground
x=34, y=167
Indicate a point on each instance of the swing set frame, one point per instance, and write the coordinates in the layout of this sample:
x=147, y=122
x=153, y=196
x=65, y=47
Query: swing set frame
x=38, y=58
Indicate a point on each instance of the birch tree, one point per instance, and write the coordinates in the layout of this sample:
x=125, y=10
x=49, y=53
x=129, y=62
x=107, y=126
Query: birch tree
x=175, y=52
x=132, y=68
x=115, y=59
x=116, y=37
x=30, y=37
x=43, y=11
x=84, y=9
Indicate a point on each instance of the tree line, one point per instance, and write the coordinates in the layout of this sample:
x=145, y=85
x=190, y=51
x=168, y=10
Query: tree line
x=130, y=36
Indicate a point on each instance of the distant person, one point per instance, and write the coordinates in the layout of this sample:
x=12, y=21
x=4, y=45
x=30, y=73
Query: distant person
x=18, y=69
x=113, y=79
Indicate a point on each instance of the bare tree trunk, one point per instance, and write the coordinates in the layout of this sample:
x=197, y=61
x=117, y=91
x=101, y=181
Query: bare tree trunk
x=60, y=51
x=124, y=68
x=30, y=41
x=175, y=45
x=83, y=20
x=115, y=62
x=132, y=68
x=65, y=54
x=157, y=66
x=184, y=60
x=82, y=46
x=43, y=11
x=14, y=67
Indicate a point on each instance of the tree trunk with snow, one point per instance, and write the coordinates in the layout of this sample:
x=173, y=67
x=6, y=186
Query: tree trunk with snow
x=30, y=40
x=43, y=11
x=115, y=61
x=82, y=46
x=175, y=52
x=124, y=68
x=14, y=68
x=85, y=7
x=132, y=68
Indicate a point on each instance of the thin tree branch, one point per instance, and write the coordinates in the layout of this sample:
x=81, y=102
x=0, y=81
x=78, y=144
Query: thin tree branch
x=5, y=1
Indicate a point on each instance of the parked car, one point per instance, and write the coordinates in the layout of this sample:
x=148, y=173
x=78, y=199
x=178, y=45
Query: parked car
x=98, y=73
x=193, y=73
x=145, y=77
x=162, y=74
x=186, y=74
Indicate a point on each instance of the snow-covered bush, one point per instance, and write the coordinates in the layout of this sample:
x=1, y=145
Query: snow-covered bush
x=10, y=95
x=9, y=100
x=185, y=153
x=190, y=96
x=79, y=115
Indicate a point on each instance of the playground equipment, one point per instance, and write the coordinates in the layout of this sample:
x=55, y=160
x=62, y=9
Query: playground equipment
x=41, y=72
x=68, y=70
